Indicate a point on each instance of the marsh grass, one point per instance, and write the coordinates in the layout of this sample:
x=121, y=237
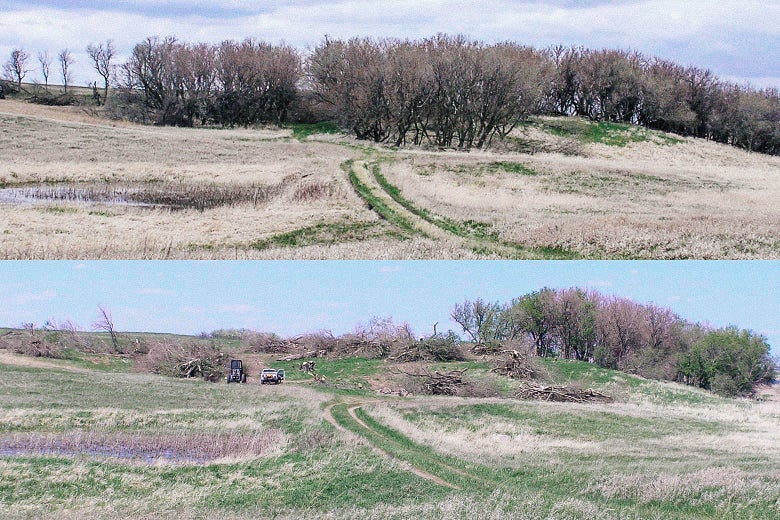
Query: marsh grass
x=175, y=196
x=182, y=448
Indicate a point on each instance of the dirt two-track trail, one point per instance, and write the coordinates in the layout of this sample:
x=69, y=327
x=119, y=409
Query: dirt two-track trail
x=351, y=424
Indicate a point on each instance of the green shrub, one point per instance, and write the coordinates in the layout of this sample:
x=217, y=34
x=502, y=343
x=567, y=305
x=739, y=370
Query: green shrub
x=740, y=356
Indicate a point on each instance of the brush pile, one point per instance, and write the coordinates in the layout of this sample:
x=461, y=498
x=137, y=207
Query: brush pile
x=440, y=383
x=185, y=361
x=560, y=393
x=434, y=348
x=519, y=365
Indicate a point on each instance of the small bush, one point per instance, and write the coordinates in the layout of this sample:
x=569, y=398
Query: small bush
x=724, y=385
x=52, y=99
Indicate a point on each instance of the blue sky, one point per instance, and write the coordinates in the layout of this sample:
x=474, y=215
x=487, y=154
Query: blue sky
x=292, y=297
x=738, y=39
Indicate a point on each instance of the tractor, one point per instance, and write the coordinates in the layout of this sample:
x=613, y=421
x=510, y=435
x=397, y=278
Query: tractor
x=236, y=374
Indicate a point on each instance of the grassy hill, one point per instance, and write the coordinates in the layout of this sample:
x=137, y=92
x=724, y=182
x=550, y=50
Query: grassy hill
x=77, y=185
x=78, y=441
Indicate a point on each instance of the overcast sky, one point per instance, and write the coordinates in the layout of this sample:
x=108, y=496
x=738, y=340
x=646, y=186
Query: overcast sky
x=294, y=297
x=738, y=40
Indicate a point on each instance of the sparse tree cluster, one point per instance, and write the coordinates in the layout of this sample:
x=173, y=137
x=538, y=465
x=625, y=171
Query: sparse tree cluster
x=619, y=333
x=628, y=87
x=233, y=83
x=445, y=91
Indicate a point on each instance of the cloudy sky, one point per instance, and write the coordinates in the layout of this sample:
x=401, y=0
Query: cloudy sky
x=738, y=40
x=293, y=297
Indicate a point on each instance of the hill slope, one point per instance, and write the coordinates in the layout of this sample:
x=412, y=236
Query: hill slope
x=78, y=186
x=84, y=442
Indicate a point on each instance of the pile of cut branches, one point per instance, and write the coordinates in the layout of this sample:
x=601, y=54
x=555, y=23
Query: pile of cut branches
x=519, y=365
x=561, y=393
x=357, y=345
x=433, y=348
x=440, y=383
x=179, y=360
x=266, y=342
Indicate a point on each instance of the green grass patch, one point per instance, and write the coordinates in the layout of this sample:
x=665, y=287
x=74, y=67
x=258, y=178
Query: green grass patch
x=595, y=426
x=100, y=362
x=346, y=372
x=303, y=131
x=322, y=233
x=512, y=167
x=60, y=210
x=603, y=132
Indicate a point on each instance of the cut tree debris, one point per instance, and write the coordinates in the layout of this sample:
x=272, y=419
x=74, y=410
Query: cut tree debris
x=561, y=393
x=309, y=367
x=519, y=365
x=438, y=383
x=304, y=355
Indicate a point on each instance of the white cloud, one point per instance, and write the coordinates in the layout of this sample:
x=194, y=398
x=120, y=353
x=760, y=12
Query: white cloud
x=26, y=298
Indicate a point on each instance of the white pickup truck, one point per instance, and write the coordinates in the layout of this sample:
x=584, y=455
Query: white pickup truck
x=272, y=376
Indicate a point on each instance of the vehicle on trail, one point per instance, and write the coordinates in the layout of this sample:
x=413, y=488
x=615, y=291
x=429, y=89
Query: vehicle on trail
x=2, y=92
x=236, y=374
x=271, y=376
x=280, y=373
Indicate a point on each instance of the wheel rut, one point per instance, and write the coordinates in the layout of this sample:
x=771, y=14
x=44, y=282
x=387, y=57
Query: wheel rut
x=352, y=413
x=362, y=170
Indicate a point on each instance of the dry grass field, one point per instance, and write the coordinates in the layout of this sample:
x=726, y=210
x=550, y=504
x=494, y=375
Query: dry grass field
x=547, y=193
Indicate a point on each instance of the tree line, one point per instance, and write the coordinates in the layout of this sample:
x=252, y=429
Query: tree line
x=447, y=91
x=618, y=333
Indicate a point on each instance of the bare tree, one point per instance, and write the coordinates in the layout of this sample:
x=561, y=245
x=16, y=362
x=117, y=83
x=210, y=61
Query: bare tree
x=101, y=56
x=44, y=58
x=66, y=63
x=17, y=66
x=105, y=323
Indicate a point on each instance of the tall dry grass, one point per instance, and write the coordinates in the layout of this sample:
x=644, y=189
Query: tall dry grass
x=692, y=200
x=646, y=200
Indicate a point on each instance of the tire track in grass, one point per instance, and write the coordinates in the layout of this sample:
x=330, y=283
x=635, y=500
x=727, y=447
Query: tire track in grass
x=386, y=200
x=346, y=418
